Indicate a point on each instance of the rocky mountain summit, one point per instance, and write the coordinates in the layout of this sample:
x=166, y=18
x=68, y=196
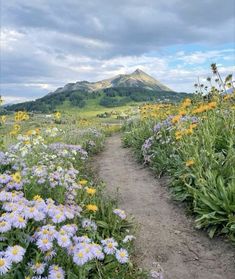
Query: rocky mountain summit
x=138, y=79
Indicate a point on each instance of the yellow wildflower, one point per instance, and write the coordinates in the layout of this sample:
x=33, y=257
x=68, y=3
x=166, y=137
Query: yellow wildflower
x=189, y=163
x=91, y=191
x=227, y=97
x=37, y=198
x=186, y=103
x=178, y=135
x=15, y=130
x=176, y=119
x=83, y=182
x=192, y=126
x=3, y=118
x=16, y=177
x=92, y=207
x=188, y=131
x=212, y=105
x=57, y=115
x=182, y=112
x=21, y=115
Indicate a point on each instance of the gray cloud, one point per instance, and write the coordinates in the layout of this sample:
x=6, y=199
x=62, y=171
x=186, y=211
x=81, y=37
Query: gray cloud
x=129, y=26
x=56, y=41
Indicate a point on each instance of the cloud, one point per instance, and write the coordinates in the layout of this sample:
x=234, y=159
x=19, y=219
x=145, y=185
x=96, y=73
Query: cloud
x=14, y=100
x=55, y=42
x=129, y=26
x=201, y=57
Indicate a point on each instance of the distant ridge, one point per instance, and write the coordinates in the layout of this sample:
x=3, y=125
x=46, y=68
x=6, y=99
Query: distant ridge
x=137, y=79
x=113, y=92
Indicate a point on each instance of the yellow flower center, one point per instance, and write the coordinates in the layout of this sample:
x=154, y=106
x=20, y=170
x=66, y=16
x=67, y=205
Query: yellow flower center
x=38, y=265
x=80, y=254
x=2, y=262
x=15, y=251
x=21, y=219
x=122, y=254
x=3, y=223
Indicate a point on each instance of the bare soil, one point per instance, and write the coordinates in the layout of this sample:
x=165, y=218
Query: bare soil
x=166, y=234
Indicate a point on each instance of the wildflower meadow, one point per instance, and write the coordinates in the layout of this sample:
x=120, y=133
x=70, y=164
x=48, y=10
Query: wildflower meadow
x=55, y=221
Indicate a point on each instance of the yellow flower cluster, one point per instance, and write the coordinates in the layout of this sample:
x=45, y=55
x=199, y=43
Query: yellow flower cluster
x=186, y=103
x=21, y=116
x=57, y=115
x=229, y=96
x=189, y=131
x=205, y=107
x=159, y=111
x=15, y=129
x=3, y=119
x=33, y=132
x=92, y=207
x=84, y=122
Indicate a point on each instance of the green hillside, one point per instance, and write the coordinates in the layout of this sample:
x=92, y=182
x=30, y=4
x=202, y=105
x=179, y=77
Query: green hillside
x=114, y=92
x=109, y=98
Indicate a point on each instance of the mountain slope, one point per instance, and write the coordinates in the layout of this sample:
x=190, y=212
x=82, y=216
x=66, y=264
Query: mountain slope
x=117, y=91
x=137, y=79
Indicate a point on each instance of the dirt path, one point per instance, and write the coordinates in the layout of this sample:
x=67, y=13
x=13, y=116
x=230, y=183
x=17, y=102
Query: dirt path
x=166, y=234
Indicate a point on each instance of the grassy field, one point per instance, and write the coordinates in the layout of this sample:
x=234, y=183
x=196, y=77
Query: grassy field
x=92, y=109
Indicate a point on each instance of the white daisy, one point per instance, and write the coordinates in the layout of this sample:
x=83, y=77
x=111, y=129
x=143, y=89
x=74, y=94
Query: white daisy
x=19, y=222
x=122, y=256
x=5, y=265
x=80, y=257
x=63, y=240
x=56, y=272
x=4, y=226
x=109, y=246
x=15, y=253
x=44, y=244
x=38, y=268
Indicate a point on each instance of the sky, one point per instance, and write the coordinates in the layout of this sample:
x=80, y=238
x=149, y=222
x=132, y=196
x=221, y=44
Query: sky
x=48, y=43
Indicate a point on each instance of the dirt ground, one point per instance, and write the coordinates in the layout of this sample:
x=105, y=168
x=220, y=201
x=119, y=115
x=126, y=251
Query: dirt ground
x=166, y=235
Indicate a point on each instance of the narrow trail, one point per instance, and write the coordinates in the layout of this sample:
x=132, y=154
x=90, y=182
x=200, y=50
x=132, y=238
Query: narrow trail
x=166, y=235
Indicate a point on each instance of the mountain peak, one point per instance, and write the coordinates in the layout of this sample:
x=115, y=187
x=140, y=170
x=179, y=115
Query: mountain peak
x=139, y=72
x=138, y=79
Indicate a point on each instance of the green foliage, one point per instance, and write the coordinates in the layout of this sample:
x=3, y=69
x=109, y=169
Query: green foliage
x=77, y=99
x=109, y=97
x=201, y=163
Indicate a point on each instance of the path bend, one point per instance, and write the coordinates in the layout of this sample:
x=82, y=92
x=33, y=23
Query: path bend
x=166, y=235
